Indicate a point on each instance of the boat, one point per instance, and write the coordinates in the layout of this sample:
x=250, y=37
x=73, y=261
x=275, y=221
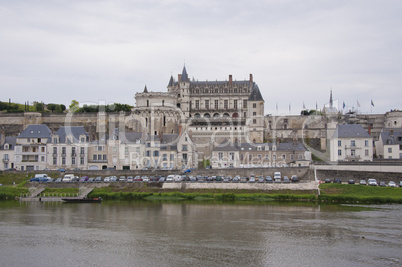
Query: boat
x=82, y=200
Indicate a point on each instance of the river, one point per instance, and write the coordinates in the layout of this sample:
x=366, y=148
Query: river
x=199, y=234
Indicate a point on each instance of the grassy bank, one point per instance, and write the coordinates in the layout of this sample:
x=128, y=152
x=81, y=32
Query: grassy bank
x=10, y=192
x=345, y=193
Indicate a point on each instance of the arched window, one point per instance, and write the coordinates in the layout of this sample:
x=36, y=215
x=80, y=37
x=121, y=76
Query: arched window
x=226, y=115
x=147, y=103
x=197, y=115
x=206, y=115
x=216, y=115
x=163, y=102
x=235, y=115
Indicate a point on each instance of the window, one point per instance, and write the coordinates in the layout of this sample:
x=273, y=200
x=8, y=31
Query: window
x=197, y=104
x=55, y=150
x=254, y=105
x=231, y=156
x=73, y=151
x=353, y=152
x=82, y=150
x=104, y=157
x=254, y=121
x=267, y=157
x=164, y=157
x=235, y=104
x=148, y=144
x=339, y=143
x=126, y=150
x=184, y=147
x=156, y=153
x=226, y=104
x=300, y=156
x=292, y=156
x=274, y=157
x=54, y=161
x=82, y=139
x=285, y=121
x=254, y=113
x=171, y=157
x=353, y=143
x=206, y=104
x=185, y=157
x=250, y=157
x=55, y=140
x=220, y=155
x=245, y=103
x=63, y=161
x=63, y=150
x=283, y=156
x=390, y=150
x=99, y=148
x=366, y=143
x=82, y=161
x=148, y=153
x=73, y=161
x=339, y=152
x=366, y=152
x=94, y=157
x=216, y=104
x=99, y=157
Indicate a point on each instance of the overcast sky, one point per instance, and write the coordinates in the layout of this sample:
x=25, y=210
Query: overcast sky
x=106, y=51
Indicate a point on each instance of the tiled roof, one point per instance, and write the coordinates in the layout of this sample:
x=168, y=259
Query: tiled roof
x=36, y=131
x=75, y=131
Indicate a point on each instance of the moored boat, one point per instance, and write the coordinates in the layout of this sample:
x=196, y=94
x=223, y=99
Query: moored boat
x=82, y=200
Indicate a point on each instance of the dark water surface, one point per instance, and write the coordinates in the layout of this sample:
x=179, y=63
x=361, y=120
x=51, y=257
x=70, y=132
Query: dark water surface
x=199, y=234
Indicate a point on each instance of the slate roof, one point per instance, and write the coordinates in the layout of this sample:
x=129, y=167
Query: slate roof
x=394, y=139
x=75, y=131
x=350, y=131
x=36, y=131
x=11, y=140
x=184, y=76
x=127, y=138
x=255, y=94
x=225, y=146
x=171, y=81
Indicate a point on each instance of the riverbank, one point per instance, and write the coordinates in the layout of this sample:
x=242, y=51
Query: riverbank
x=329, y=193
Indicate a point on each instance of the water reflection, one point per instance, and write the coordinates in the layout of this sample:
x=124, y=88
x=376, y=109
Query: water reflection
x=199, y=233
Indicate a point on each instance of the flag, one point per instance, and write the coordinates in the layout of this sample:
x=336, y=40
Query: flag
x=372, y=103
x=344, y=104
x=358, y=104
x=304, y=106
x=289, y=107
x=276, y=106
x=316, y=105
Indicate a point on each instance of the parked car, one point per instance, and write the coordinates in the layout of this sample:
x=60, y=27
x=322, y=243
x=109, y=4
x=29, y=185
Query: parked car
x=372, y=182
x=327, y=181
x=107, y=179
x=392, y=184
x=58, y=180
x=162, y=179
x=351, y=181
x=337, y=181
x=122, y=179
x=400, y=183
x=363, y=182
x=91, y=179
x=170, y=178
x=252, y=179
x=269, y=179
x=294, y=179
x=286, y=179
x=98, y=179
x=138, y=178
x=243, y=180
x=130, y=179
x=83, y=179
x=382, y=184
x=236, y=179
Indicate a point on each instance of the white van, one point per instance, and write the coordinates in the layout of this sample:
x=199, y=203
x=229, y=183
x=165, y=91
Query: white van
x=68, y=178
x=177, y=178
x=170, y=178
x=277, y=177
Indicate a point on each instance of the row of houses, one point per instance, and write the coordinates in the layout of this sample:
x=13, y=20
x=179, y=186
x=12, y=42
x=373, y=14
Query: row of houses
x=37, y=148
x=353, y=143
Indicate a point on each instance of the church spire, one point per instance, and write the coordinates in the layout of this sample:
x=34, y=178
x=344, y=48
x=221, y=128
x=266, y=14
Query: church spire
x=331, y=102
x=145, y=89
x=171, y=81
x=184, y=76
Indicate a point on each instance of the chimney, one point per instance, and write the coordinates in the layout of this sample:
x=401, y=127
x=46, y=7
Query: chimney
x=391, y=132
x=179, y=77
x=230, y=80
x=2, y=138
x=251, y=78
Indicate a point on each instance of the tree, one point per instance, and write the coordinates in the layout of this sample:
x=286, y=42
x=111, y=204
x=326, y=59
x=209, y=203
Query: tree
x=58, y=109
x=74, y=106
x=39, y=106
x=52, y=107
x=63, y=107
